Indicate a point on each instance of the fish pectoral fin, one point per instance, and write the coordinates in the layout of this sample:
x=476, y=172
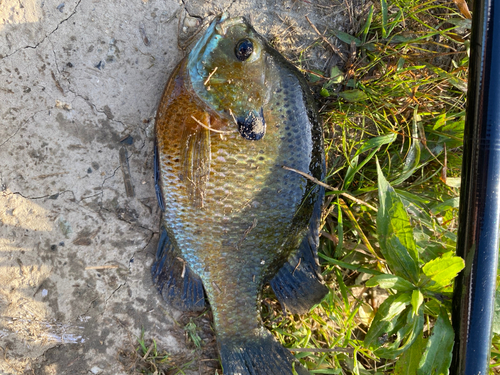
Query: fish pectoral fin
x=196, y=159
x=298, y=285
x=257, y=355
x=176, y=282
x=252, y=125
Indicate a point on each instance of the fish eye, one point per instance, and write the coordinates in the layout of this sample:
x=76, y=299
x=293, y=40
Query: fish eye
x=243, y=49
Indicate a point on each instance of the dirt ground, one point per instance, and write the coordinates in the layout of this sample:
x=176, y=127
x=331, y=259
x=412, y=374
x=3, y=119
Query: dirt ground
x=79, y=84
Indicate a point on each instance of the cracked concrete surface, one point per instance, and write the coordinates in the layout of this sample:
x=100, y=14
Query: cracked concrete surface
x=79, y=84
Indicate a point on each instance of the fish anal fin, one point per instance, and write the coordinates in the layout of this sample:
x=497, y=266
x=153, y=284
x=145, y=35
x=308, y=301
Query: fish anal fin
x=175, y=281
x=298, y=285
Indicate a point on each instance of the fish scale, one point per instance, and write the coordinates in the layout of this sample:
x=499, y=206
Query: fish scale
x=233, y=216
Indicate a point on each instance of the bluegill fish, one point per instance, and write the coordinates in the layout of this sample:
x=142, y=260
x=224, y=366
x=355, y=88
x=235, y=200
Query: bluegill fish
x=233, y=113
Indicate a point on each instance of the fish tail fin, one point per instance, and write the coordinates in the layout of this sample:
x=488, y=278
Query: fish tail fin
x=176, y=282
x=261, y=356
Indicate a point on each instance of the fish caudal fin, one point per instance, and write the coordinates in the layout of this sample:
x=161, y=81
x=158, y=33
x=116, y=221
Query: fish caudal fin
x=262, y=356
x=175, y=281
x=298, y=285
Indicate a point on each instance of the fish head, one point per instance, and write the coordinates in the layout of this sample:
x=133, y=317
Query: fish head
x=227, y=71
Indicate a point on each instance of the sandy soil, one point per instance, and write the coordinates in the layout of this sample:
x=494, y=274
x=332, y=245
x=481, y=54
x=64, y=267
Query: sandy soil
x=79, y=84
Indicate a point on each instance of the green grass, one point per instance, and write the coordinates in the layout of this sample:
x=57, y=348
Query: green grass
x=147, y=358
x=394, y=117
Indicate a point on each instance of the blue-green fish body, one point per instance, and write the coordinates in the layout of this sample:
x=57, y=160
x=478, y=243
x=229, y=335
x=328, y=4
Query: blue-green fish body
x=234, y=112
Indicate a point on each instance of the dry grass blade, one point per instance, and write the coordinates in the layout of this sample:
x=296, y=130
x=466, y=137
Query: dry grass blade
x=109, y=266
x=323, y=350
x=326, y=186
x=209, y=128
x=464, y=8
x=335, y=49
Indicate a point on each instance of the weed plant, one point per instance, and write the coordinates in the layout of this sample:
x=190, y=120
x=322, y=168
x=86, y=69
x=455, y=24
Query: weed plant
x=394, y=113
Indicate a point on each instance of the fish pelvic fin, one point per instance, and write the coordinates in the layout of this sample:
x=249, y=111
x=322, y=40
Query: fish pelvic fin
x=176, y=282
x=260, y=356
x=298, y=285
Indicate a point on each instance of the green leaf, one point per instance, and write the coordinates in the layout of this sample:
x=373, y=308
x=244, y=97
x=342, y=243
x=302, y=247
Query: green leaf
x=453, y=182
x=340, y=229
x=372, y=144
x=408, y=362
x=397, y=307
x=437, y=356
x=383, y=5
x=401, y=39
x=412, y=160
x=384, y=321
x=440, y=272
x=406, y=335
x=390, y=282
x=417, y=298
x=395, y=22
x=324, y=92
x=460, y=22
x=343, y=289
x=395, y=233
x=445, y=206
x=429, y=250
x=377, y=142
x=353, y=95
x=401, y=64
x=346, y=38
x=315, y=75
x=336, y=75
x=368, y=23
